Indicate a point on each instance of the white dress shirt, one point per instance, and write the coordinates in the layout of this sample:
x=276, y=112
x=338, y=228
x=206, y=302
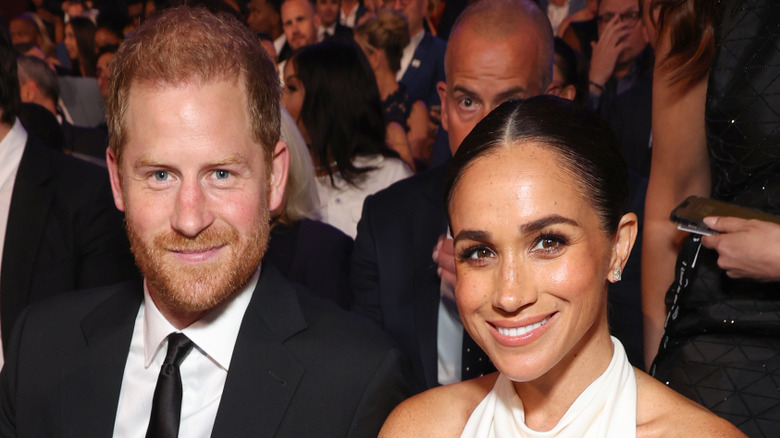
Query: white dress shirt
x=449, y=335
x=349, y=19
x=203, y=371
x=342, y=205
x=11, y=151
x=279, y=43
x=331, y=30
x=406, y=58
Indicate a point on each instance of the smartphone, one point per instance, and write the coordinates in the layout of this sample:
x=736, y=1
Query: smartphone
x=690, y=214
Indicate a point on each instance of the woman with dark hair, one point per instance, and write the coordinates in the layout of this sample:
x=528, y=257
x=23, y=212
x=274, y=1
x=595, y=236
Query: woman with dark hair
x=332, y=94
x=383, y=39
x=536, y=197
x=715, y=134
x=80, y=42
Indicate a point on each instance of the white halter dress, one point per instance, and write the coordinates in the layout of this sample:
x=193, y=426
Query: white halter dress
x=607, y=408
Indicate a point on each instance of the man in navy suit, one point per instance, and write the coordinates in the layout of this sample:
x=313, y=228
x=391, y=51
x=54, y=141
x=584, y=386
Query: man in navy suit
x=196, y=164
x=422, y=64
x=498, y=50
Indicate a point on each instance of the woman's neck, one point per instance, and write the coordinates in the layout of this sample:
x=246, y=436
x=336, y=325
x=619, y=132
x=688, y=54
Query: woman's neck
x=546, y=399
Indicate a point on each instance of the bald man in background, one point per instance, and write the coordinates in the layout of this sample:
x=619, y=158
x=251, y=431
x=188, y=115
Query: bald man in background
x=498, y=50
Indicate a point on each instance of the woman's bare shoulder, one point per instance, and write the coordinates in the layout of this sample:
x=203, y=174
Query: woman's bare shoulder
x=662, y=412
x=438, y=412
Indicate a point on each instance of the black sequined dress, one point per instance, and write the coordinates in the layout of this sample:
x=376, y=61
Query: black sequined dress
x=721, y=345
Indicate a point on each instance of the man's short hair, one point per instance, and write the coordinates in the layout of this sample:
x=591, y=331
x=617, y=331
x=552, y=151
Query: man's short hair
x=182, y=46
x=37, y=70
x=501, y=19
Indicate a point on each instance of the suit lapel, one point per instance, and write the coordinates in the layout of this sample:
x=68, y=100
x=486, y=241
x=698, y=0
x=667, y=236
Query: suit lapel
x=263, y=374
x=433, y=223
x=92, y=383
x=30, y=202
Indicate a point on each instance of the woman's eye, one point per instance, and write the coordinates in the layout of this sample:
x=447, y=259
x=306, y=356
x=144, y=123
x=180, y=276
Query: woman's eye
x=292, y=88
x=161, y=175
x=221, y=174
x=477, y=253
x=549, y=243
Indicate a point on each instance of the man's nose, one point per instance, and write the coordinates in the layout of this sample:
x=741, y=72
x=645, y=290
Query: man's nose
x=191, y=212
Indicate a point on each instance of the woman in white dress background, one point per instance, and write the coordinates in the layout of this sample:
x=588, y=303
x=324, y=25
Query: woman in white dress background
x=536, y=199
x=330, y=90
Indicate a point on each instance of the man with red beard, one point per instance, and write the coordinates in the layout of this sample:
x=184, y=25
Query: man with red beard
x=196, y=164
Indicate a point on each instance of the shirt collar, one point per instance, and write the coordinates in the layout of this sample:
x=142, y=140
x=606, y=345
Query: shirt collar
x=215, y=334
x=13, y=142
x=11, y=150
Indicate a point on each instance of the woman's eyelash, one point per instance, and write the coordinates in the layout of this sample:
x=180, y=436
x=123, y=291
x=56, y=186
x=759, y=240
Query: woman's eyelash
x=550, y=241
x=469, y=252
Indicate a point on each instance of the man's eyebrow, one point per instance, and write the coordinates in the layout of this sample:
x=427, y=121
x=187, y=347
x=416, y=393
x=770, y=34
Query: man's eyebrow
x=464, y=90
x=227, y=161
x=514, y=91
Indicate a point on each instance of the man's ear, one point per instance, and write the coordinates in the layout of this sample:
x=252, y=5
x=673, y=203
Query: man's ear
x=278, y=178
x=441, y=88
x=116, y=181
x=624, y=241
x=28, y=91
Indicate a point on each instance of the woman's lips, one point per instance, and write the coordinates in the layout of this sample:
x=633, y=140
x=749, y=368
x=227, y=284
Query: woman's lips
x=519, y=334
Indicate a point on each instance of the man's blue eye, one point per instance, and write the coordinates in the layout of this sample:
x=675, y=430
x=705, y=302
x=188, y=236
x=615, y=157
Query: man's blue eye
x=221, y=174
x=161, y=175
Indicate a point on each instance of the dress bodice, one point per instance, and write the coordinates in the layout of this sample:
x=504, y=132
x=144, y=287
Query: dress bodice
x=743, y=105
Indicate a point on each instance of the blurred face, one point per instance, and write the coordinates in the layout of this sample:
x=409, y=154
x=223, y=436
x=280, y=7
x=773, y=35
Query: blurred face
x=22, y=31
x=482, y=74
x=558, y=86
x=70, y=42
x=103, y=73
x=413, y=9
x=262, y=17
x=328, y=11
x=298, y=23
x=532, y=264
x=195, y=191
x=292, y=96
x=74, y=9
x=629, y=18
x=104, y=37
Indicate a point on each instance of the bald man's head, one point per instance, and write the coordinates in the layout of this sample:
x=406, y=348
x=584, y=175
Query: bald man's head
x=498, y=50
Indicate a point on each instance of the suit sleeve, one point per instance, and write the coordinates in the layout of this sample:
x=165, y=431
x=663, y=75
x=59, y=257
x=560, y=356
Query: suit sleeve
x=364, y=270
x=388, y=387
x=9, y=380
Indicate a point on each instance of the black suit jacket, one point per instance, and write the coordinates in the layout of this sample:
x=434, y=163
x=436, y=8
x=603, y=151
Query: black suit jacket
x=393, y=276
x=314, y=254
x=63, y=232
x=300, y=367
x=426, y=70
x=85, y=140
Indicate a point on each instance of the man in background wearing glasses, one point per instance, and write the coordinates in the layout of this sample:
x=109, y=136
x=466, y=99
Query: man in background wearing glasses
x=620, y=78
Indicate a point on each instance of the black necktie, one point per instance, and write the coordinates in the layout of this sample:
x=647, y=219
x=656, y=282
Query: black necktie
x=166, y=406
